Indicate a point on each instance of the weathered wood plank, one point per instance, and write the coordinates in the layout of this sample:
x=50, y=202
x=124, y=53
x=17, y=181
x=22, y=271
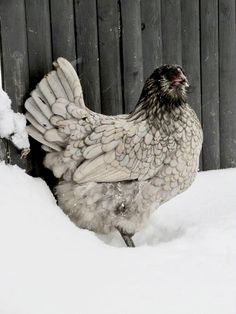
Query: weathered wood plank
x=210, y=84
x=40, y=58
x=3, y=150
x=39, y=39
x=14, y=54
x=132, y=52
x=227, y=37
x=171, y=31
x=87, y=51
x=14, y=51
x=109, y=56
x=1, y=59
x=191, y=50
x=190, y=36
x=170, y=34
x=151, y=35
x=63, y=31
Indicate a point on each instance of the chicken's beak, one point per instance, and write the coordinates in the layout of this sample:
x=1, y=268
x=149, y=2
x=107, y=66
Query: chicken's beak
x=184, y=80
x=180, y=80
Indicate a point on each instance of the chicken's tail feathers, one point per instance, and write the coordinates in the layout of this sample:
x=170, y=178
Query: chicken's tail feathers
x=49, y=102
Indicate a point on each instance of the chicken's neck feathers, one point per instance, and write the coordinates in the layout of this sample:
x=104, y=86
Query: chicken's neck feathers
x=160, y=116
x=158, y=100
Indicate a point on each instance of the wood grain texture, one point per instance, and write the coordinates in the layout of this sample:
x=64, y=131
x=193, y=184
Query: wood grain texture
x=14, y=51
x=40, y=57
x=115, y=44
x=227, y=37
x=171, y=31
x=3, y=150
x=63, y=30
x=1, y=57
x=151, y=35
x=15, y=63
x=210, y=84
x=132, y=52
x=190, y=36
x=191, y=50
x=109, y=56
x=39, y=39
x=87, y=51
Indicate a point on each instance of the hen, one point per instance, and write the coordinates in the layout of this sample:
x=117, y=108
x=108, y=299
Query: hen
x=115, y=171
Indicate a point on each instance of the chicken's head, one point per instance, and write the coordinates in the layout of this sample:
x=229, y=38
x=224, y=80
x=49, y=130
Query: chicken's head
x=166, y=88
x=171, y=81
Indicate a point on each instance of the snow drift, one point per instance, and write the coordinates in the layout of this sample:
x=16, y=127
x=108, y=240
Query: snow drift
x=184, y=262
x=12, y=124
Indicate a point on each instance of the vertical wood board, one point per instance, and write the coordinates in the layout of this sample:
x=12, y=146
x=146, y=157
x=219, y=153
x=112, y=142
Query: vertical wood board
x=39, y=39
x=190, y=36
x=63, y=29
x=210, y=84
x=151, y=35
x=109, y=56
x=87, y=51
x=227, y=36
x=15, y=63
x=171, y=31
x=132, y=52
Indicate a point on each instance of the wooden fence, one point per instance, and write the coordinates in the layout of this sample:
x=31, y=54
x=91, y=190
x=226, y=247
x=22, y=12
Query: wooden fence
x=116, y=44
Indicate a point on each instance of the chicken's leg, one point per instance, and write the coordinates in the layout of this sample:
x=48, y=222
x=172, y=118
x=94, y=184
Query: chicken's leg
x=127, y=238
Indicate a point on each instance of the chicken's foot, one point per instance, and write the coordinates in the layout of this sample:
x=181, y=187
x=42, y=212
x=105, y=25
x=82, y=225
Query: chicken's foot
x=127, y=238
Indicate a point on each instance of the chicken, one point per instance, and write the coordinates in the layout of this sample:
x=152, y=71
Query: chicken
x=114, y=171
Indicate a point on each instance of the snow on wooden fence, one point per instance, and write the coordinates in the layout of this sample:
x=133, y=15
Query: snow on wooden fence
x=116, y=44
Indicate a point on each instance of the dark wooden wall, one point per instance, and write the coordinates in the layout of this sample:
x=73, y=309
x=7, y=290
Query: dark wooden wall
x=116, y=44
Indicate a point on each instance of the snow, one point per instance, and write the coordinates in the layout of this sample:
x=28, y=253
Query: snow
x=12, y=125
x=184, y=261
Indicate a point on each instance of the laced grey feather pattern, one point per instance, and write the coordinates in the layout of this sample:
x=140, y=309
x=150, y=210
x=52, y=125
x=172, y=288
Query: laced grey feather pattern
x=112, y=148
x=112, y=169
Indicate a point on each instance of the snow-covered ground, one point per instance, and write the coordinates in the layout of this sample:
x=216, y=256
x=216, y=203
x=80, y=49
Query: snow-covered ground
x=184, y=262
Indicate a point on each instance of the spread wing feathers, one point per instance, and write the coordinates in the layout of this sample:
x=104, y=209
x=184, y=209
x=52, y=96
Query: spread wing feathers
x=100, y=169
x=112, y=159
x=57, y=97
